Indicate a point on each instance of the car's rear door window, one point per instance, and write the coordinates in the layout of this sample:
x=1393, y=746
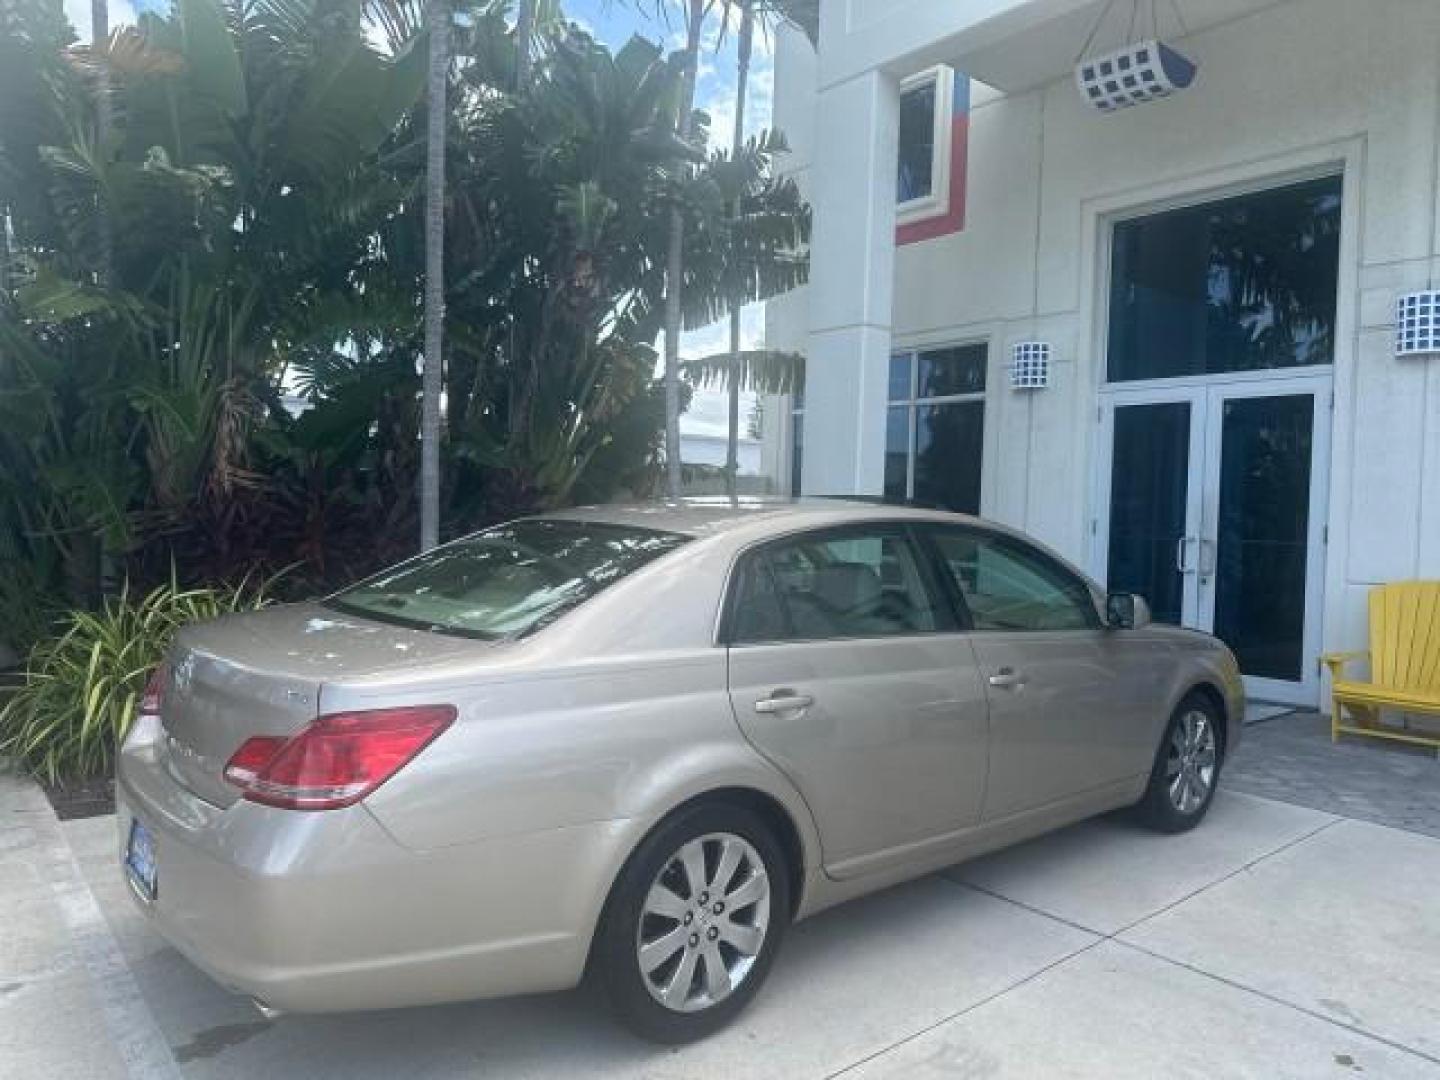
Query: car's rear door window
x=507, y=581
x=836, y=584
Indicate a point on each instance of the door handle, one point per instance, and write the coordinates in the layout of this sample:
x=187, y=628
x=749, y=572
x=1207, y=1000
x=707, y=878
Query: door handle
x=783, y=701
x=1182, y=554
x=1207, y=568
x=1007, y=679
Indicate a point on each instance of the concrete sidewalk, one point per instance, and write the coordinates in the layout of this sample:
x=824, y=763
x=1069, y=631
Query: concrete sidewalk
x=1274, y=941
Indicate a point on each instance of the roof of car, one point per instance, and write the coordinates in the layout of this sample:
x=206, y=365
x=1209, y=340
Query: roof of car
x=709, y=516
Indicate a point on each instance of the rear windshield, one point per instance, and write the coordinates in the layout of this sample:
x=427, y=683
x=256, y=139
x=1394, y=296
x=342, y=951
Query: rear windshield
x=507, y=581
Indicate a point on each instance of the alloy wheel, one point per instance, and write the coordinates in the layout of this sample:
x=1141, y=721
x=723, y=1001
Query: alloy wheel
x=1190, y=766
x=703, y=922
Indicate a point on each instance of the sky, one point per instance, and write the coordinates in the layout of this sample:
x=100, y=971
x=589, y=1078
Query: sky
x=614, y=22
x=78, y=12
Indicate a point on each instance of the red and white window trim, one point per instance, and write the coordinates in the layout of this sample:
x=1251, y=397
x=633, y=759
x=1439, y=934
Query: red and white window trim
x=942, y=209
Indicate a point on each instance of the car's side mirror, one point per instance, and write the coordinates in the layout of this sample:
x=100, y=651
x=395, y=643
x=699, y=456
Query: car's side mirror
x=1126, y=611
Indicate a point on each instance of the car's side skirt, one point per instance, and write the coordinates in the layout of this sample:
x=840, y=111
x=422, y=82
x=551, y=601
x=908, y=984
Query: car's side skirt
x=856, y=877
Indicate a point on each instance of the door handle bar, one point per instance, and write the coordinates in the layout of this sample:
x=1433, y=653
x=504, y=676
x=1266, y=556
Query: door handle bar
x=778, y=703
x=1207, y=569
x=1182, y=554
x=1007, y=679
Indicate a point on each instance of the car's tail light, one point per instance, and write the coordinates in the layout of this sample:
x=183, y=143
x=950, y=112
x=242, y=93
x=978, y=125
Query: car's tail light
x=153, y=696
x=244, y=766
x=337, y=760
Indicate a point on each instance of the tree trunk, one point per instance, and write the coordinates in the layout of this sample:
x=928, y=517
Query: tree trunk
x=432, y=372
x=524, y=34
x=99, y=42
x=675, y=259
x=106, y=566
x=4, y=255
x=737, y=144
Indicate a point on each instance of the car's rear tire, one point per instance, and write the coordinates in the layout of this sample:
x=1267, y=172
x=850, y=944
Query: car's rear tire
x=1187, y=768
x=693, y=923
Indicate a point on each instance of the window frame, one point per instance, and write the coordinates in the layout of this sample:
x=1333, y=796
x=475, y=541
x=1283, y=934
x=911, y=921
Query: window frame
x=941, y=568
x=931, y=580
x=913, y=403
x=937, y=203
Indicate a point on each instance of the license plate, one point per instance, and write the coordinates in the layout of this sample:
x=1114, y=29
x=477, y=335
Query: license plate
x=140, y=859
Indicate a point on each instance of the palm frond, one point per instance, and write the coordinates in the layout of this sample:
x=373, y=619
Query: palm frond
x=760, y=371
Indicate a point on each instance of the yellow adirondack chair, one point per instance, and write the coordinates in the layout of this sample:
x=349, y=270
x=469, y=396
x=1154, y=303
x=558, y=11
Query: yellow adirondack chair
x=1404, y=664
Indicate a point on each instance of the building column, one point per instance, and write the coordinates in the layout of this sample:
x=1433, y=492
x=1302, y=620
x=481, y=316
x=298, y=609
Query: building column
x=852, y=276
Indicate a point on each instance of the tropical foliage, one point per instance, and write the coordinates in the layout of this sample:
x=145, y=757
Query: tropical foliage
x=81, y=687
x=242, y=188
x=211, y=315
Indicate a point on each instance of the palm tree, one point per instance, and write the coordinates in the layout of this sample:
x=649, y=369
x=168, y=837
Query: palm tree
x=99, y=47
x=743, y=44
x=432, y=372
x=219, y=275
x=695, y=13
x=756, y=370
x=752, y=248
x=553, y=217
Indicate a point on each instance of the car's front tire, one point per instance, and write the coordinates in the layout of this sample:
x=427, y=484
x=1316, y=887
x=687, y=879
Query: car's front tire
x=693, y=923
x=1187, y=768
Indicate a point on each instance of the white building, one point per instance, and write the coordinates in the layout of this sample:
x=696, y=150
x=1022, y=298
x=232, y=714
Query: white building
x=1227, y=427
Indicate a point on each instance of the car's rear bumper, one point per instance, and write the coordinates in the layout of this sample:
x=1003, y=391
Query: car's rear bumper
x=324, y=912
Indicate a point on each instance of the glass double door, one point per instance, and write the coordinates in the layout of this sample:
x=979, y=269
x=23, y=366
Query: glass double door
x=1212, y=508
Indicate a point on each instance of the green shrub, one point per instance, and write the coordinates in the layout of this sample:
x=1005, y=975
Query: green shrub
x=81, y=687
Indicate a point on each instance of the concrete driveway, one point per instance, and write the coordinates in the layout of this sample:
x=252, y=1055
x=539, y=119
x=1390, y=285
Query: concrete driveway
x=1274, y=941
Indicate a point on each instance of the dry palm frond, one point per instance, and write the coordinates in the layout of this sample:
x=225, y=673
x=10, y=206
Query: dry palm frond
x=236, y=412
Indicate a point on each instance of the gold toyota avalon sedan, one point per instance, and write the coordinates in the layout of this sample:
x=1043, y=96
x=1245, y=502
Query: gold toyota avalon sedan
x=634, y=743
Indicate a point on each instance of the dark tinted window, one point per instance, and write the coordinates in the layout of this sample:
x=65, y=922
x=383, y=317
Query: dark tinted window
x=758, y=614
x=1238, y=285
x=835, y=585
x=949, y=443
x=897, y=453
x=506, y=581
x=900, y=365
x=1149, y=493
x=1263, y=531
x=956, y=370
x=934, y=441
x=1009, y=586
x=917, y=142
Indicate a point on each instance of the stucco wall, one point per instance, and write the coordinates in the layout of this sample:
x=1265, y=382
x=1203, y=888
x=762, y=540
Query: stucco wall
x=1285, y=89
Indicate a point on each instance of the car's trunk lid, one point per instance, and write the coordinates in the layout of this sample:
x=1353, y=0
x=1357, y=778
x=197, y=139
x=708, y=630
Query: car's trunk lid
x=262, y=673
